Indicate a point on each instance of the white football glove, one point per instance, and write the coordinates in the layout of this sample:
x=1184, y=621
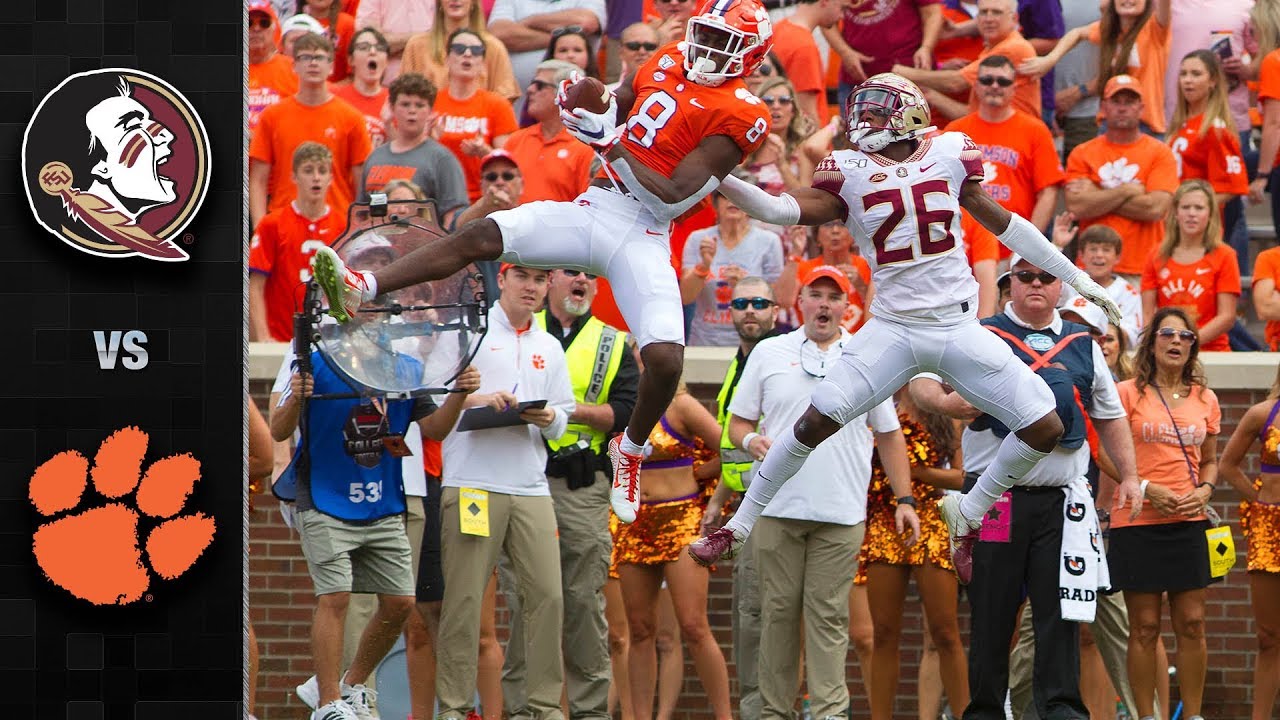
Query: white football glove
x=599, y=130
x=1096, y=294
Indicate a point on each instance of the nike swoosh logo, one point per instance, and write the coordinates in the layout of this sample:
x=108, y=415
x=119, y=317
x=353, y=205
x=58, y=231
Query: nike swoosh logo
x=694, y=102
x=647, y=231
x=494, y=349
x=1201, y=271
x=926, y=167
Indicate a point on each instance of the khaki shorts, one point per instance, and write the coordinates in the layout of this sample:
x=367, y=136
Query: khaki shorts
x=346, y=557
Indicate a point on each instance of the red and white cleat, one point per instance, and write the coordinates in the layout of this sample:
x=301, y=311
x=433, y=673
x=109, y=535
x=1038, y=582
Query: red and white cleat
x=720, y=544
x=345, y=290
x=624, y=494
x=963, y=537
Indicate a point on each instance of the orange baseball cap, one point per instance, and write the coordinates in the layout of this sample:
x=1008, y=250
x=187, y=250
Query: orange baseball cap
x=830, y=272
x=1122, y=82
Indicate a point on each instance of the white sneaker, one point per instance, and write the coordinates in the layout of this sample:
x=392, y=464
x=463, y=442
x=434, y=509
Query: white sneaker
x=309, y=692
x=361, y=698
x=336, y=710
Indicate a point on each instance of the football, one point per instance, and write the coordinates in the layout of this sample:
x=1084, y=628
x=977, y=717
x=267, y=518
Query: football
x=589, y=94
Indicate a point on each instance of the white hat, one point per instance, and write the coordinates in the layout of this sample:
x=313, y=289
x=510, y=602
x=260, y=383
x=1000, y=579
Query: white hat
x=302, y=21
x=367, y=244
x=1091, y=314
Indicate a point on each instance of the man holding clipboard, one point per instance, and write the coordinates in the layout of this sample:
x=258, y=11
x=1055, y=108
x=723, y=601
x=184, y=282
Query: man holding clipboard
x=496, y=498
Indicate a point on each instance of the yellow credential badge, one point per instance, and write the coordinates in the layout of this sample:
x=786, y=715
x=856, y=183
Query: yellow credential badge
x=473, y=511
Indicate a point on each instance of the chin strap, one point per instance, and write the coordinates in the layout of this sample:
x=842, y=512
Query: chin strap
x=662, y=211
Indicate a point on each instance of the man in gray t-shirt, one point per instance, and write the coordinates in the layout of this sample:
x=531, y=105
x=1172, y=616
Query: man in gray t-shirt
x=1077, y=107
x=412, y=155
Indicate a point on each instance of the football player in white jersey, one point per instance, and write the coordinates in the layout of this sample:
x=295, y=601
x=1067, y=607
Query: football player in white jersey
x=901, y=193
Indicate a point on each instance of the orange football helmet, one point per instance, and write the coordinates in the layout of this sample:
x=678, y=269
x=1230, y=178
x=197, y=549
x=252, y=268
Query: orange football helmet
x=726, y=39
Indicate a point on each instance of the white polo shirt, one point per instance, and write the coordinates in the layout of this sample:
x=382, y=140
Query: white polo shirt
x=1062, y=465
x=776, y=386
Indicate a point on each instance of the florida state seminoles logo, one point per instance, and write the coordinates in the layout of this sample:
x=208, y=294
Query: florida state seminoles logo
x=116, y=163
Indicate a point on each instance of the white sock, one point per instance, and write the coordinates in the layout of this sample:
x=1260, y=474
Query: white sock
x=371, y=291
x=628, y=446
x=784, y=459
x=1014, y=459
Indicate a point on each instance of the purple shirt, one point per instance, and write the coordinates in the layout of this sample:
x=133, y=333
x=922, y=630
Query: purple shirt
x=888, y=30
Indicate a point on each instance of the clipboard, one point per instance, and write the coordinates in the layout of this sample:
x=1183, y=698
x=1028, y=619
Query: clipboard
x=483, y=418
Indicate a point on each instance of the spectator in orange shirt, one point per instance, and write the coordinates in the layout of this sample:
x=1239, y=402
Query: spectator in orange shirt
x=1023, y=173
x=1123, y=178
x=270, y=73
x=471, y=121
x=1128, y=30
x=311, y=114
x=998, y=25
x=1193, y=269
x=1266, y=293
x=367, y=56
x=1267, y=179
x=571, y=45
x=564, y=164
x=1204, y=140
x=798, y=52
x=282, y=245
x=426, y=52
x=339, y=27
x=835, y=243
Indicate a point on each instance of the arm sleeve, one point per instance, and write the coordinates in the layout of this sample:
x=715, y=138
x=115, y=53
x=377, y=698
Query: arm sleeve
x=624, y=391
x=777, y=209
x=1025, y=239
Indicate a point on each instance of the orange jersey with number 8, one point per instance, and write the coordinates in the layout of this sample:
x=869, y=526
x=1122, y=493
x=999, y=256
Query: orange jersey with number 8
x=672, y=115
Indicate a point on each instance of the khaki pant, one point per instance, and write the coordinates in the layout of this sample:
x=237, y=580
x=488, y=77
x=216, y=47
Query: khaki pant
x=1110, y=630
x=525, y=529
x=585, y=545
x=805, y=567
x=362, y=605
x=746, y=630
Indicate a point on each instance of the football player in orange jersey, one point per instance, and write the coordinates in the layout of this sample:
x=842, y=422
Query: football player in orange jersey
x=901, y=191
x=689, y=120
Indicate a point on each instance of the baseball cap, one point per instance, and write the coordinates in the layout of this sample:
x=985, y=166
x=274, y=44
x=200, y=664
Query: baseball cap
x=1122, y=82
x=832, y=273
x=262, y=6
x=367, y=245
x=302, y=21
x=498, y=154
x=1089, y=314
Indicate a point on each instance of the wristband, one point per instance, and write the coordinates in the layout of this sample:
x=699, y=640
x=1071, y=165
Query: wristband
x=1084, y=90
x=701, y=272
x=1142, y=488
x=1211, y=487
x=746, y=440
x=794, y=259
x=905, y=500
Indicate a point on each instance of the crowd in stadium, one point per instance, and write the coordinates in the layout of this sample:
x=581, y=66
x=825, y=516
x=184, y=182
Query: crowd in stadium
x=1135, y=134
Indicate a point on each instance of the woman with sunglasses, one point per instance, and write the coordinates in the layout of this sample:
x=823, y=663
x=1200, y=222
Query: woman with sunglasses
x=427, y=52
x=1260, y=520
x=1193, y=269
x=780, y=164
x=676, y=478
x=471, y=121
x=715, y=259
x=886, y=563
x=1175, y=419
x=571, y=44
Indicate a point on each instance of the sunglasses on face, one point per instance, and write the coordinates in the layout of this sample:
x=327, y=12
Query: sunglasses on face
x=756, y=303
x=536, y=84
x=1028, y=276
x=576, y=273
x=493, y=175
x=463, y=48
x=783, y=100
x=1184, y=335
x=635, y=45
x=366, y=46
x=566, y=30
x=1003, y=82
x=261, y=22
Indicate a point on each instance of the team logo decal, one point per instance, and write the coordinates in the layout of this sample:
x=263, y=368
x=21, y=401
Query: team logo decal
x=1075, y=512
x=116, y=163
x=901, y=172
x=1039, y=342
x=1074, y=564
x=879, y=177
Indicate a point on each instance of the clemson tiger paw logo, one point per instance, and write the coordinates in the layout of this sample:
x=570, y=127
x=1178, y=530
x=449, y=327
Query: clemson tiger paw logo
x=96, y=553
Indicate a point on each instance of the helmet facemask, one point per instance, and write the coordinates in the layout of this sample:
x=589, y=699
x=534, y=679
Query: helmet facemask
x=714, y=51
x=879, y=115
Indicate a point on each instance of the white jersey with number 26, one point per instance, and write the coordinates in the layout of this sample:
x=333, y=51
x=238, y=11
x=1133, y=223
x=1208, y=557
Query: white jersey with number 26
x=905, y=218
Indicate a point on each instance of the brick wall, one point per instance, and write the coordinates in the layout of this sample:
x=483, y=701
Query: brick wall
x=281, y=602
